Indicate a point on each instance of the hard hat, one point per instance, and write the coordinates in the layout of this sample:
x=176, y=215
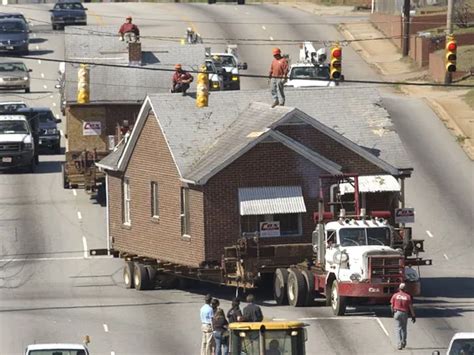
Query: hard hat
x=189, y=29
x=128, y=18
x=177, y=66
x=402, y=286
x=276, y=51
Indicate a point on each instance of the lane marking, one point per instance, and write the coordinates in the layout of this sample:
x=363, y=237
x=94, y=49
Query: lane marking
x=263, y=27
x=271, y=38
x=45, y=86
x=84, y=244
x=59, y=258
x=37, y=47
x=106, y=328
x=39, y=61
x=445, y=256
x=79, y=215
x=42, y=75
x=74, y=192
x=429, y=234
x=382, y=326
x=112, y=353
x=54, y=104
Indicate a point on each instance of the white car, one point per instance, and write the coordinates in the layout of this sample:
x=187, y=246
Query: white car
x=460, y=344
x=309, y=75
x=56, y=349
x=11, y=106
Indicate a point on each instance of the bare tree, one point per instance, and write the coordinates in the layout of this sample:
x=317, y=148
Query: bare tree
x=464, y=13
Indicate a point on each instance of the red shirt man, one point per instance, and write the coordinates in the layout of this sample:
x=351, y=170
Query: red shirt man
x=128, y=26
x=402, y=301
x=401, y=304
x=180, y=80
x=279, y=66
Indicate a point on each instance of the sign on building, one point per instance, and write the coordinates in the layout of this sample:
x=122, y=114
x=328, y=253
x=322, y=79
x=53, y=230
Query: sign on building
x=270, y=229
x=405, y=215
x=91, y=128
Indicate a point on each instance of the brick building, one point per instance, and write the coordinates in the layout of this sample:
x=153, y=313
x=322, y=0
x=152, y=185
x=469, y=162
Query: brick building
x=190, y=181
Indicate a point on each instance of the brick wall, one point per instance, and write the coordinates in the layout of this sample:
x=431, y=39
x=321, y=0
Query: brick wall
x=159, y=239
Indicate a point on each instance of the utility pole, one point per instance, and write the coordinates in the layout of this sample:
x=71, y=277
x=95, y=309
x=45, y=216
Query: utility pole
x=406, y=27
x=448, y=77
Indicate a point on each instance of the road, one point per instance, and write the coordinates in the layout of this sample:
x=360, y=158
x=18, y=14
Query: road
x=49, y=291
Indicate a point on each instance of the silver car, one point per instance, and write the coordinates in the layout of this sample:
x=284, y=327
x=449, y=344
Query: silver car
x=14, y=76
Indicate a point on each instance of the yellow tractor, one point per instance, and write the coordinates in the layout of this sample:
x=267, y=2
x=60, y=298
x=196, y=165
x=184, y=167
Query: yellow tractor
x=267, y=338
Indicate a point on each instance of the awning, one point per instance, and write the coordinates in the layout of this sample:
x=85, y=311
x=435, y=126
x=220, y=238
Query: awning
x=372, y=183
x=271, y=200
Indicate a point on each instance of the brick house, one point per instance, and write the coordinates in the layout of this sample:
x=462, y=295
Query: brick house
x=190, y=181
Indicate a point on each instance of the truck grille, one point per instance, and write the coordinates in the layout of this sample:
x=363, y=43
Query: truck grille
x=9, y=147
x=385, y=269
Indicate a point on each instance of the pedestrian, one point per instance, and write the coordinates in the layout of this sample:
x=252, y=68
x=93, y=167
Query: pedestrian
x=129, y=30
x=252, y=312
x=278, y=76
x=221, y=332
x=215, y=305
x=181, y=80
x=206, y=326
x=235, y=314
x=401, y=305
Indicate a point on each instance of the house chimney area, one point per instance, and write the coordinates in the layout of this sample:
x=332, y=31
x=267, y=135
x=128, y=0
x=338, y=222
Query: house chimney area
x=134, y=53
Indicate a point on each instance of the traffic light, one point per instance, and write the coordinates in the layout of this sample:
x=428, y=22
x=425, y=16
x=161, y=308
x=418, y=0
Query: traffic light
x=202, y=87
x=336, y=62
x=451, y=56
x=83, y=84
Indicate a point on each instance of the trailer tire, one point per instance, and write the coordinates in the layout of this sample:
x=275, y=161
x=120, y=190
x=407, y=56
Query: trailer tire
x=128, y=274
x=151, y=271
x=280, y=286
x=310, y=291
x=141, y=280
x=338, y=303
x=297, y=291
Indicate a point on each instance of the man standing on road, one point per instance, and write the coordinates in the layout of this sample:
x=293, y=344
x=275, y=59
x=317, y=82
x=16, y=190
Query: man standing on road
x=401, y=304
x=181, y=80
x=278, y=76
x=206, y=326
x=252, y=312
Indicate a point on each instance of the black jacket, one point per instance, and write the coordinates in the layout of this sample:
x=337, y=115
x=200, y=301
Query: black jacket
x=253, y=313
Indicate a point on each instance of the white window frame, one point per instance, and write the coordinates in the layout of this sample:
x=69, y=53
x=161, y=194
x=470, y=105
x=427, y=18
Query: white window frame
x=126, y=202
x=184, y=216
x=155, y=202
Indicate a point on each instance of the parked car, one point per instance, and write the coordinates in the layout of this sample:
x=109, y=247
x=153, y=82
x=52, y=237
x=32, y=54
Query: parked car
x=14, y=36
x=14, y=76
x=11, y=106
x=49, y=134
x=460, y=344
x=56, y=349
x=15, y=15
x=68, y=12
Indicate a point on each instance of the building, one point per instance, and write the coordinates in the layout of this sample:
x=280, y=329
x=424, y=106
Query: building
x=190, y=181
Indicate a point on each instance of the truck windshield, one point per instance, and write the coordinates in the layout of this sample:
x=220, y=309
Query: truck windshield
x=364, y=236
x=276, y=342
x=309, y=73
x=462, y=346
x=225, y=60
x=13, y=127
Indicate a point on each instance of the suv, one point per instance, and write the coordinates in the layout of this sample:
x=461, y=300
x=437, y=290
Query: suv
x=17, y=143
x=68, y=12
x=14, y=75
x=49, y=134
x=14, y=36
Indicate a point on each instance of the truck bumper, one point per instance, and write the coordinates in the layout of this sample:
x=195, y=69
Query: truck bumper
x=12, y=160
x=377, y=292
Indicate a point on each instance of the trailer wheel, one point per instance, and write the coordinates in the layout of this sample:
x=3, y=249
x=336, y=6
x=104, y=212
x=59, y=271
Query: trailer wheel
x=338, y=303
x=297, y=291
x=128, y=274
x=311, y=293
x=141, y=279
x=280, y=286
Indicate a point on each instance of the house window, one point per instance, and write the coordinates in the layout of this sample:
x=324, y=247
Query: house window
x=155, y=205
x=185, y=220
x=126, y=201
x=290, y=224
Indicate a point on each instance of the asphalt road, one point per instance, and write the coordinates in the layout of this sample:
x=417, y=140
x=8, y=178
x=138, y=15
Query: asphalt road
x=49, y=291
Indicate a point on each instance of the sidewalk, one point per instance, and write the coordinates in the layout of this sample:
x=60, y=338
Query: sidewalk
x=448, y=104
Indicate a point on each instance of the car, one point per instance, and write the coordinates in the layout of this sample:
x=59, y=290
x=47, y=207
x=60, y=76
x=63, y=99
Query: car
x=68, y=12
x=56, y=349
x=14, y=36
x=11, y=106
x=49, y=134
x=460, y=344
x=15, y=15
x=14, y=76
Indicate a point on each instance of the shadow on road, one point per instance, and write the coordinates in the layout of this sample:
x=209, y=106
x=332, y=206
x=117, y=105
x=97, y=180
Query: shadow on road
x=48, y=167
x=38, y=40
x=450, y=287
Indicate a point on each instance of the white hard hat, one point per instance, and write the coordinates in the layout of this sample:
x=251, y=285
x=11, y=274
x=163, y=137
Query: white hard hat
x=189, y=29
x=402, y=286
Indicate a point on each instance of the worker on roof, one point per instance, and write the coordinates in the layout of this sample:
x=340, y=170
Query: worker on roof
x=278, y=76
x=129, y=30
x=181, y=80
x=192, y=37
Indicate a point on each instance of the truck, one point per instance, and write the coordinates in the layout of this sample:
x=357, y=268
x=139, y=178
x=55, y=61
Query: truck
x=228, y=66
x=311, y=69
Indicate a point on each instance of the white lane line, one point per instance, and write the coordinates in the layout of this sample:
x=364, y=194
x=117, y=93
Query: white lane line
x=429, y=234
x=445, y=256
x=45, y=86
x=54, y=104
x=271, y=38
x=51, y=97
x=84, y=244
x=112, y=353
x=39, y=61
x=106, y=328
x=37, y=47
x=79, y=215
x=42, y=75
x=33, y=34
x=61, y=132
x=382, y=326
x=263, y=27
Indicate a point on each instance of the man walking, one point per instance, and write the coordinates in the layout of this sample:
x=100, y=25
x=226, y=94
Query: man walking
x=278, y=76
x=206, y=326
x=401, y=304
x=252, y=312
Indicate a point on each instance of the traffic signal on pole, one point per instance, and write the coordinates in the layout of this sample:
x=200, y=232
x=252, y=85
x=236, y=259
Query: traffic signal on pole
x=83, y=84
x=336, y=62
x=451, y=56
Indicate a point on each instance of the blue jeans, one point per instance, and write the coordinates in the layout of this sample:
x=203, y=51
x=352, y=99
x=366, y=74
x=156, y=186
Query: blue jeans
x=222, y=343
x=401, y=328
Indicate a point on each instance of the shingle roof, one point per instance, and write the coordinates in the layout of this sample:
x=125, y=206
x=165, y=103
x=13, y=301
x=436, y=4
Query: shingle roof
x=196, y=136
x=123, y=84
x=111, y=161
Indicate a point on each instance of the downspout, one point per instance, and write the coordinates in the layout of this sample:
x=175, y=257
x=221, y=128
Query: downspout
x=107, y=211
x=356, y=194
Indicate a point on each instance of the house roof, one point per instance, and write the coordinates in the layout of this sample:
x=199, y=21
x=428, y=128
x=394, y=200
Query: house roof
x=100, y=44
x=110, y=162
x=202, y=141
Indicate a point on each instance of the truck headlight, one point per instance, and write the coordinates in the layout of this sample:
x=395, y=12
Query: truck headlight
x=215, y=85
x=27, y=146
x=235, y=78
x=355, y=277
x=340, y=257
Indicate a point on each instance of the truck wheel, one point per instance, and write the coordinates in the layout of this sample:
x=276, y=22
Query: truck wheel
x=128, y=274
x=297, y=291
x=280, y=286
x=338, y=303
x=141, y=280
x=311, y=292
